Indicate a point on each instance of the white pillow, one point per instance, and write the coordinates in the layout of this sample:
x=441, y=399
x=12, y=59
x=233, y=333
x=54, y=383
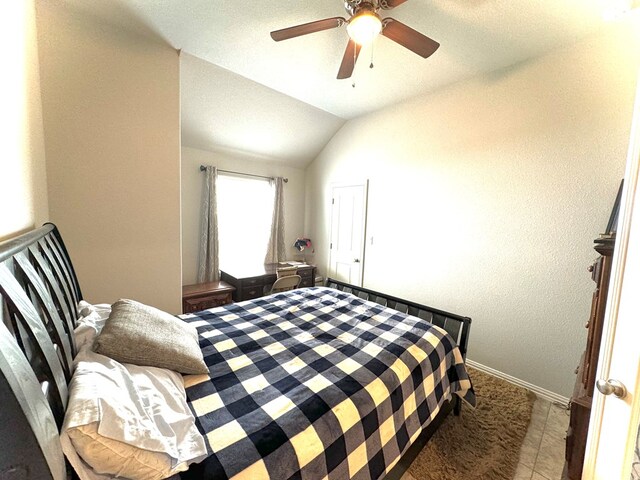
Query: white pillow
x=85, y=309
x=90, y=322
x=128, y=421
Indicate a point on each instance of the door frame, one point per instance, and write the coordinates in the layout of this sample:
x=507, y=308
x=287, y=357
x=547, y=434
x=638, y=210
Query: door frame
x=353, y=183
x=629, y=212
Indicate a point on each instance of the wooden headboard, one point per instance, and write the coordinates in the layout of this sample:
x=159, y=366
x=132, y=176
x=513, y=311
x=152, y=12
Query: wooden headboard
x=39, y=293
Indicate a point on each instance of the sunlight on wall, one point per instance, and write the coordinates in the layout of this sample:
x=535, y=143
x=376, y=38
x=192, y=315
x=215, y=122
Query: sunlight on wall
x=23, y=192
x=15, y=174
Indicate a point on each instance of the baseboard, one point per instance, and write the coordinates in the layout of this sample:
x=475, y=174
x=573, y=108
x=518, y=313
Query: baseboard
x=539, y=391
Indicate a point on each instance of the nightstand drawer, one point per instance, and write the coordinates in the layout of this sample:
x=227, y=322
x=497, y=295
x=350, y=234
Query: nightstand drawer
x=206, y=295
x=195, y=304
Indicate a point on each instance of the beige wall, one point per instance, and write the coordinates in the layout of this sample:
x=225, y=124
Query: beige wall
x=23, y=194
x=112, y=126
x=485, y=199
x=192, y=182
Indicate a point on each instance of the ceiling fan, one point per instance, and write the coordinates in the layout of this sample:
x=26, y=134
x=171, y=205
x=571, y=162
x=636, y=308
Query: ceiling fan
x=363, y=26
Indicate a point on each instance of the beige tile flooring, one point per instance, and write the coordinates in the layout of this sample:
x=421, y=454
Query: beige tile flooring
x=542, y=453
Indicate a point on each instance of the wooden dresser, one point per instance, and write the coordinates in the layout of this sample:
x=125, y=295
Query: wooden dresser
x=254, y=282
x=206, y=295
x=586, y=371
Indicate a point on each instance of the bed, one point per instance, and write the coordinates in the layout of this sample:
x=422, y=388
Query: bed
x=324, y=382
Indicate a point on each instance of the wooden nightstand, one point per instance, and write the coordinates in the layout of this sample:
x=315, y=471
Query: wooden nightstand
x=205, y=295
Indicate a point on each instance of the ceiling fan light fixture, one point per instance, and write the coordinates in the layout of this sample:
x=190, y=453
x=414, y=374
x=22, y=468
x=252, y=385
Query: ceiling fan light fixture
x=364, y=27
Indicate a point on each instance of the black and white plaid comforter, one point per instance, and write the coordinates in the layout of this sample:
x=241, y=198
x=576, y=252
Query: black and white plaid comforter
x=317, y=384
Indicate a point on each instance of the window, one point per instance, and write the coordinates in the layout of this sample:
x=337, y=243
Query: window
x=245, y=208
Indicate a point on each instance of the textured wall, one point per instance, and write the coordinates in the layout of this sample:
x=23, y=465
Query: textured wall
x=23, y=195
x=485, y=198
x=192, y=181
x=111, y=110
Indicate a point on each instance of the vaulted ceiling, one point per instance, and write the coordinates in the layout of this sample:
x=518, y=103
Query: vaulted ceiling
x=290, y=89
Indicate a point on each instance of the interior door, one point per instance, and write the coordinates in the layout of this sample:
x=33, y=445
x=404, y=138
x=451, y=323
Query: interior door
x=612, y=447
x=348, y=226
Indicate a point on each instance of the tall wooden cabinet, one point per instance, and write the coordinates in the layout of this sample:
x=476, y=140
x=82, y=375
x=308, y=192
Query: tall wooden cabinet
x=586, y=371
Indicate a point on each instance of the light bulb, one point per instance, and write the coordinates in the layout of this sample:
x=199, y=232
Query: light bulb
x=364, y=27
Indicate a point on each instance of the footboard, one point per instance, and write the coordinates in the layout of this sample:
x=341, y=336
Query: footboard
x=455, y=325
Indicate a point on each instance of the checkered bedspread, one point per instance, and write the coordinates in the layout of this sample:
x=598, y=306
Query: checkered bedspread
x=317, y=383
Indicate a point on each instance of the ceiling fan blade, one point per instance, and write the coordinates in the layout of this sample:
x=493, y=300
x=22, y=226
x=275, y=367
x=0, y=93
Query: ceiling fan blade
x=389, y=4
x=409, y=38
x=307, y=28
x=349, y=60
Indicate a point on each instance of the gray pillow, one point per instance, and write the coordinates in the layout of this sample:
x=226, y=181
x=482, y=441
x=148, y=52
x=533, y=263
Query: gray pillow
x=143, y=335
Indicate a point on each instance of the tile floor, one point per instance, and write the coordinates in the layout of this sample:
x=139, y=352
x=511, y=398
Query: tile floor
x=542, y=453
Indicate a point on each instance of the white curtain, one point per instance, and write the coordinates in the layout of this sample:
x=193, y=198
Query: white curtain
x=208, y=268
x=276, y=251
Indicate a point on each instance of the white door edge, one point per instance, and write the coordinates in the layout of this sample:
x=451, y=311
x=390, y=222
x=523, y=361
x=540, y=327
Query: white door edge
x=363, y=254
x=629, y=209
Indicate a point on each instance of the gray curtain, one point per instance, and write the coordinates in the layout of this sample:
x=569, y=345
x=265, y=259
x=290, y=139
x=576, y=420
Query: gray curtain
x=208, y=268
x=276, y=251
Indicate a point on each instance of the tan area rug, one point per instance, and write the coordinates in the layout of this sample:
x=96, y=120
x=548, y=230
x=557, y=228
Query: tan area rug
x=483, y=443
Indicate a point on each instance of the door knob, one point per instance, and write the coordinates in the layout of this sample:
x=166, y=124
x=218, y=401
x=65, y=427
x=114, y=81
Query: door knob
x=608, y=387
x=356, y=260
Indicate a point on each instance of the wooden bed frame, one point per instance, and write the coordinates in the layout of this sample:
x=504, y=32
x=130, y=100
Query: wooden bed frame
x=39, y=294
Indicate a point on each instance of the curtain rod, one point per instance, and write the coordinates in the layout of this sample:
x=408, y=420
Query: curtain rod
x=203, y=168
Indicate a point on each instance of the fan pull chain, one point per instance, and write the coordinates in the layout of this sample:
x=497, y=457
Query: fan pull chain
x=371, y=64
x=355, y=58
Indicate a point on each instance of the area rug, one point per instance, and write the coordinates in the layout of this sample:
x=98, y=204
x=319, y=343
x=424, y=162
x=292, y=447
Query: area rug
x=483, y=443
